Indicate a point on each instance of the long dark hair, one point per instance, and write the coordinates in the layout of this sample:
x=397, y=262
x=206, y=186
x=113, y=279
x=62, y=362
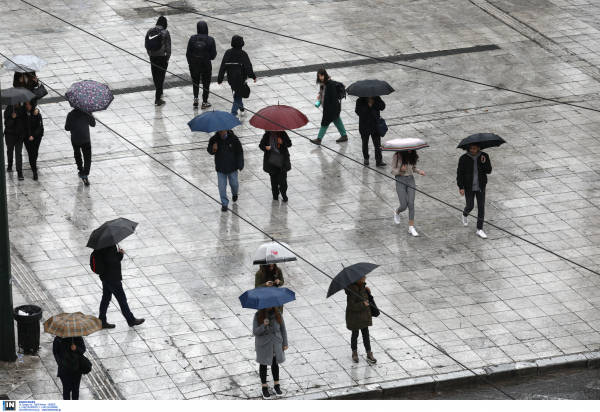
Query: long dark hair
x=325, y=75
x=409, y=158
x=262, y=315
x=267, y=273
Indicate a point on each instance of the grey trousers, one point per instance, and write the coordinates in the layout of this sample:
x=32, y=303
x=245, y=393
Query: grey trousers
x=405, y=187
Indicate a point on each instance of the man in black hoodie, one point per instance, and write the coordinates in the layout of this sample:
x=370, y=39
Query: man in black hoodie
x=237, y=64
x=201, y=50
x=158, y=45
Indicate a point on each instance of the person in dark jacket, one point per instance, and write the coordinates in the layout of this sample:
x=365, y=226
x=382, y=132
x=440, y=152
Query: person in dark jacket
x=358, y=317
x=471, y=178
x=201, y=50
x=229, y=159
x=14, y=138
x=332, y=107
x=239, y=68
x=62, y=349
x=112, y=285
x=78, y=123
x=277, y=142
x=32, y=130
x=269, y=276
x=368, y=112
x=160, y=60
x=26, y=80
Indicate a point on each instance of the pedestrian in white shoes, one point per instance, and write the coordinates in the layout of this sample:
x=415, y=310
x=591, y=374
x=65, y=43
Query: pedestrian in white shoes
x=404, y=164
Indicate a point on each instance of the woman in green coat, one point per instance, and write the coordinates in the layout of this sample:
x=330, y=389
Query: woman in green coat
x=269, y=276
x=359, y=318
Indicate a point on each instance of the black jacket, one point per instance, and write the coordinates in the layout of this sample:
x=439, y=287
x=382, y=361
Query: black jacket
x=202, y=29
x=31, y=124
x=464, y=173
x=331, y=104
x=12, y=126
x=78, y=123
x=25, y=80
x=112, y=257
x=368, y=116
x=230, y=155
x=60, y=345
x=283, y=149
x=233, y=59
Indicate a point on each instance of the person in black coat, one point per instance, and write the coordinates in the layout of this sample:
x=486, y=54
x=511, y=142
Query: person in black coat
x=239, y=68
x=159, y=59
x=368, y=111
x=112, y=285
x=32, y=130
x=278, y=143
x=229, y=159
x=329, y=99
x=14, y=138
x=63, y=349
x=78, y=123
x=201, y=66
x=471, y=178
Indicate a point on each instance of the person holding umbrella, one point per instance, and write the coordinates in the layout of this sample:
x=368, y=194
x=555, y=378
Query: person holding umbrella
x=78, y=123
x=14, y=138
x=32, y=131
x=332, y=107
x=269, y=276
x=276, y=161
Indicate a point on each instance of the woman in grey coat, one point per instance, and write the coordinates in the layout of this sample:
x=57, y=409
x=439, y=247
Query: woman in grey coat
x=270, y=343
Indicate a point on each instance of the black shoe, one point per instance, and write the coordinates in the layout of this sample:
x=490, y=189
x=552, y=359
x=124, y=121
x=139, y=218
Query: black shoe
x=223, y=208
x=265, y=393
x=277, y=391
x=21, y=176
x=234, y=198
x=285, y=199
x=316, y=141
x=35, y=176
x=344, y=138
x=106, y=325
x=242, y=110
x=136, y=322
x=205, y=105
x=159, y=102
x=366, y=162
x=381, y=163
x=196, y=102
x=9, y=169
x=85, y=180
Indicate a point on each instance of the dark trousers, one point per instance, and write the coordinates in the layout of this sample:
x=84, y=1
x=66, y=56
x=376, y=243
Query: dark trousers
x=470, y=198
x=376, y=142
x=108, y=290
x=70, y=385
x=262, y=370
x=14, y=143
x=158, y=73
x=279, y=183
x=86, y=149
x=201, y=72
x=366, y=340
x=32, y=147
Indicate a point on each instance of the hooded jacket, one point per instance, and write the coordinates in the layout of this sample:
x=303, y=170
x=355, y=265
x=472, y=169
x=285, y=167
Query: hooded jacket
x=464, y=172
x=31, y=124
x=78, y=123
x=230, y=154
x=12, y=126
x=235, y=59
x=211, y=46
x=165, y=49
x=368, y=116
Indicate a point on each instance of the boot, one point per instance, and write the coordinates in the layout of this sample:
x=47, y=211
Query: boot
x=370, y=358
x=344, y=138
x=355, y=356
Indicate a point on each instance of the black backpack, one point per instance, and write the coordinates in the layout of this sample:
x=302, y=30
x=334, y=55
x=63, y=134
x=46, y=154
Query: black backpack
x=155, y=39
x=97, y=264
x=341, y=90
x=199, y=51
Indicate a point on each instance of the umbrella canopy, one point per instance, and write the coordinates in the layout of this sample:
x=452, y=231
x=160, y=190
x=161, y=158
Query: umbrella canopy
x=16, y=95
x=403, y=144
x=111, y=233
x=24, y=64
x=370, y=88
x=350, y=275
x=273, y=252
x=484, y=140
x=70, y=325
x=278, y=118
x=89, y=95
x=214, y=121
x=261, y=298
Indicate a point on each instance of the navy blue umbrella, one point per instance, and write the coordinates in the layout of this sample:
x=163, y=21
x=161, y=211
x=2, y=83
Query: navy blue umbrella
x=214, y=121
x=269, y=297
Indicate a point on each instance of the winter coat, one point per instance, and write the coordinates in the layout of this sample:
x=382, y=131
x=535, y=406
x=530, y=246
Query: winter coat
x=331, y=104
x=59, y=348
x=368, y=116
x=464, y=172
x=260, y=279
x=358, y=316
x=31, y=124
x=272, y=337
x=112, y=258
x=233, y=59
x=283, y=150
x=230, y=154
x=165, y=49
x=78, y=123
x=12, y=126
x=25, y=80
x=211, y=46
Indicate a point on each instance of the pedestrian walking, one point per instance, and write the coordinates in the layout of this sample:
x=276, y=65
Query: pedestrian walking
x=158, y=45
x=78, y=123
x=358, y=317
x=368, y=111
x=404, y=164
x=66, y=353
x=229, y=160
x=201, y=50
x=32, y=131
x=276, y=161
x=270, y=343
x=14, y=138
x=269, y=276
x=471, y=177
x=239, y=68
x=112, y=285
x=329, y=98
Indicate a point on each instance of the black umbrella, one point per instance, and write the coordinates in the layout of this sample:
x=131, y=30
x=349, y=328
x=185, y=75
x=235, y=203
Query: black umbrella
x=369, y=88
x=350, y=275
x=484, y=140
x=16, y=95
x=111, y=233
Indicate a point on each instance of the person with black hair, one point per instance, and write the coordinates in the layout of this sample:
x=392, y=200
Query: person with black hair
x=332, y=107
x=158, y=45
x=404, y=164
x=239, y=68
x=14, y=138
x=32, y=130
x=277, y=144
x=269, y=276
x=201, y=50
x=368, y=111
x=270, y=343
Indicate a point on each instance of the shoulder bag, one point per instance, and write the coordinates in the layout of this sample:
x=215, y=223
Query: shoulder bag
x=381, y=126
x=374, y=311
x=40, y=91
x=276, y=159
x=85, y=366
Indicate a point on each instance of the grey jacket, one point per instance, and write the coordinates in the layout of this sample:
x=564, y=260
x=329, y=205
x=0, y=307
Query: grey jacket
x=269, y=339
x=165, y=49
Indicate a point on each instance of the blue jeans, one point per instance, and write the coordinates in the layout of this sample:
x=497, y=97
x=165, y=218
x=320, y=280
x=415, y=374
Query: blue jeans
x=108, y=290
x=233, y=182
x=237, y=100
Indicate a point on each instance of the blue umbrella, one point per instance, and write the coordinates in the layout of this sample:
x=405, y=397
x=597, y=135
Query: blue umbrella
x=270, y=297
x=214, y=121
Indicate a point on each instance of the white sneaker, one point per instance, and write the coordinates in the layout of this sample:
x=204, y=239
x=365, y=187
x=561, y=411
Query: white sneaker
x=482, y=234
x=396, y=217
x=465, y=220
x=412, y=231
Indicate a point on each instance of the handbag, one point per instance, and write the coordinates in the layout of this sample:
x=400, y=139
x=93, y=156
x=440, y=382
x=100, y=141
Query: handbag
x=374, y=311
x=40, y=91
x=85, y=365
x=276, y=159
x=381, y=126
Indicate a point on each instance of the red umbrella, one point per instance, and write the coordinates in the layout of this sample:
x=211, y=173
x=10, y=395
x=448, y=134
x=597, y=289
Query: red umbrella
x=278, y=118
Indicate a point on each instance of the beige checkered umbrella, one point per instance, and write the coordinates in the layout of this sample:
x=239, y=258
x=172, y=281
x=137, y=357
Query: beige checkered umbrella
x=69, y=325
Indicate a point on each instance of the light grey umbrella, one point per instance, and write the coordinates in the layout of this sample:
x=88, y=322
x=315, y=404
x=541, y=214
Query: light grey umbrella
x=273, y=253
x=24, y=63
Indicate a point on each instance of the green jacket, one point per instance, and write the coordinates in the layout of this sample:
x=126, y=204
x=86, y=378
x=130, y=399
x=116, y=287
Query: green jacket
x=261, y=281
x=358, y=316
